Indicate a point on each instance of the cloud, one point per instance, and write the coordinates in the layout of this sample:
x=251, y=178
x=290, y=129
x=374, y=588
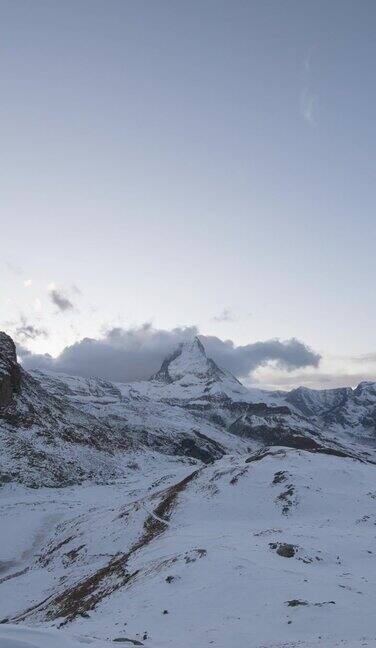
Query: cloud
x=225, y=316
x=22, y=352
x=314, y=380
x=60, y=300
x=242, y=360
x=309, y=100
x=27, y=283
x=23, y=330
x=309, y=103
x=228, y=315
x=30, y=332
x=366, y=358
x=335, y=371
x=27, y=331
x=135, y=354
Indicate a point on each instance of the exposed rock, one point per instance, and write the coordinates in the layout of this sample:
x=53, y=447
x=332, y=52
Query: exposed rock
x=10, y=373
x=296, y=602
x=279, y=476
x=283, y=549
x=134, y=642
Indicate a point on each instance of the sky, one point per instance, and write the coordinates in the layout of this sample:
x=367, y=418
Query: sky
x=194, y=167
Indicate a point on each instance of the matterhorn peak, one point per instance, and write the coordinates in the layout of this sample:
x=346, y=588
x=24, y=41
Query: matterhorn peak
x=188, y=358
x=189, y=366
x=193, y=348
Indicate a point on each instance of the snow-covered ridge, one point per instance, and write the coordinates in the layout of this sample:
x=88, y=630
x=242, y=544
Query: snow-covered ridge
x=188, y=373
x=189, y=363
x=57, y=429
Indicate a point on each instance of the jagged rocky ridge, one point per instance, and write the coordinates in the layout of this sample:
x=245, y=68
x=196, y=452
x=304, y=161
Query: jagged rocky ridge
x=57, y=429
x=10, y=374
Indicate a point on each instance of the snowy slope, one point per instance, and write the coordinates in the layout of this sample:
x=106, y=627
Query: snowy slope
x=12, y=636
x=272, y=549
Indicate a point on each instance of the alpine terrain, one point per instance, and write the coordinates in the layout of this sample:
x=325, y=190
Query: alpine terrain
x=185, y=511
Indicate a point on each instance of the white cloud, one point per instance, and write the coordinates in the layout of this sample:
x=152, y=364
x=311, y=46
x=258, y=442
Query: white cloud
x=225, y=316
x=309, y=103
x=334, y=371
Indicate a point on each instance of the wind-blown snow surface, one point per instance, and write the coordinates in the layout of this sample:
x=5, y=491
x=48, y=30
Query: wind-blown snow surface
x=272, y=549
x=12, y=636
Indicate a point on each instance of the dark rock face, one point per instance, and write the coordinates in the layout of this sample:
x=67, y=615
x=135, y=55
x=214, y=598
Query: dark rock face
x=275, y=426
x=10, y=373
x=205, y=449
x=163, y=375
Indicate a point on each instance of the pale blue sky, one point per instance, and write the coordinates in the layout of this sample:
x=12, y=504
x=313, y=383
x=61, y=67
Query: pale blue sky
x=173, y=159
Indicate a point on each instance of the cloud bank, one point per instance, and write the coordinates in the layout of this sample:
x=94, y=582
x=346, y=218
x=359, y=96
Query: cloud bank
x=225, y=316
x=30, y=332
x=125, y=355
x=60, y=300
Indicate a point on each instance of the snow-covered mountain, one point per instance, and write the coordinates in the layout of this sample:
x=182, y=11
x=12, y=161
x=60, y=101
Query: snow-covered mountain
x=190, y=511
x=58, y=429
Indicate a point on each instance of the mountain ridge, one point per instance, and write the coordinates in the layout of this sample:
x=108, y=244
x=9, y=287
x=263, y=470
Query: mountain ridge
x=57, y=429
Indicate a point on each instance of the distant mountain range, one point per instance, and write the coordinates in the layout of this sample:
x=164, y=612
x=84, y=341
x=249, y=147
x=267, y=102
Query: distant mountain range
x=58, y=429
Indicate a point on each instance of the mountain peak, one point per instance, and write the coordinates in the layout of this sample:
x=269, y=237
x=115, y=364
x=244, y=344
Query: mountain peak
x=191, y=349
x=190, y=363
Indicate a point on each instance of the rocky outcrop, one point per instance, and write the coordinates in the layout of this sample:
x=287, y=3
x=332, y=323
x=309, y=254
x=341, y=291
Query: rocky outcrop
x=10, y=373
